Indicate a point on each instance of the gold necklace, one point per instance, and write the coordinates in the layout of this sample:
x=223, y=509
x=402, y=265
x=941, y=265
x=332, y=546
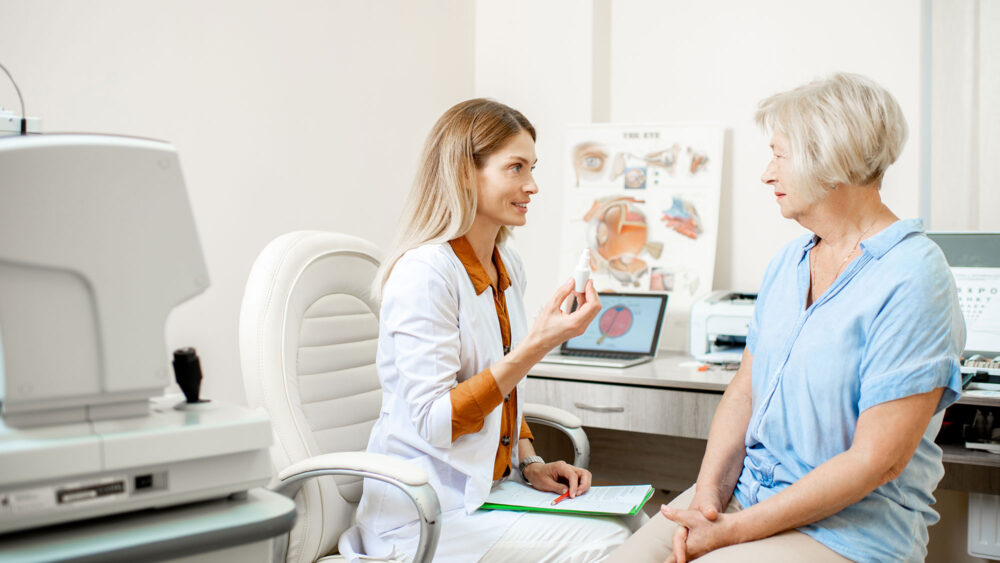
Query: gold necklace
x=843, y=263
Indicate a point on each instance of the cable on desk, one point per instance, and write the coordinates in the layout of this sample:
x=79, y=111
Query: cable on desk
x=24, y=116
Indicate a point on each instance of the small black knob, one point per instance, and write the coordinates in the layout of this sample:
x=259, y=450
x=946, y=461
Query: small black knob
x=187, y=372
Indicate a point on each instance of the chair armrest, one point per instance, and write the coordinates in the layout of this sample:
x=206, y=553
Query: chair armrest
x=567, y=423
x=388, y=466
x=542, y=412
x=409, y=478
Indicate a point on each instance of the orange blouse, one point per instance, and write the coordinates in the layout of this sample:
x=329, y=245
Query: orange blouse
x=473, y=399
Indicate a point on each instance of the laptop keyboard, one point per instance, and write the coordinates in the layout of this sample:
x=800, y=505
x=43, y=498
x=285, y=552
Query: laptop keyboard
x=608, y=355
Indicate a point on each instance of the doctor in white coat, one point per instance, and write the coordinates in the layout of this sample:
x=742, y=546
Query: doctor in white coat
x=454, y=347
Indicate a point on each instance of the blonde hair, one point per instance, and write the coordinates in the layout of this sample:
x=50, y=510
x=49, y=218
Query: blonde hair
x=845, y=129
x=442, y=203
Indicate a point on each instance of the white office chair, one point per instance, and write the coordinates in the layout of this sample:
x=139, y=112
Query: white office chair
x=308, y=338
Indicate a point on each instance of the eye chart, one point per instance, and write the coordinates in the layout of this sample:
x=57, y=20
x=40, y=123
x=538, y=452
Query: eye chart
x=979, y=296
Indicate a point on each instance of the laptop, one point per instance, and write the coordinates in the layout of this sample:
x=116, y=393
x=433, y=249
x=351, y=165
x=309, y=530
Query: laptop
x=626, y=332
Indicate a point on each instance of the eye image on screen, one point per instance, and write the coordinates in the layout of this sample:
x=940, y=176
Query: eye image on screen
x=626, y=323
x=615, y=322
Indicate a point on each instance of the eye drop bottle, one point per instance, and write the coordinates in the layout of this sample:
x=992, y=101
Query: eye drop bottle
x=582, y=272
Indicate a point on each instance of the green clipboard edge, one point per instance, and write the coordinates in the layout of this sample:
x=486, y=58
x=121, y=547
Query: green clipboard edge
x=519, y=508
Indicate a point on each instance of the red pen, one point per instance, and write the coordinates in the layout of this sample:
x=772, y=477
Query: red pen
x=561, y=498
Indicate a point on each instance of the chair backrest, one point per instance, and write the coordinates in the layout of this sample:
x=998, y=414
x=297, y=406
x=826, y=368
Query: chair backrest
x=308, y=339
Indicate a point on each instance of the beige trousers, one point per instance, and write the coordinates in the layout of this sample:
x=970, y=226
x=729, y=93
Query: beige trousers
x=654, y=543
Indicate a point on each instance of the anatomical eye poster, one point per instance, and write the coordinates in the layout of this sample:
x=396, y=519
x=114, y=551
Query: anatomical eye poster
x=645, y=200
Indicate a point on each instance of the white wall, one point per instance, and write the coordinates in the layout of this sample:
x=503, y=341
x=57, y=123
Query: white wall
x=715, y=60
x=537, y=57
x=310, y=114
x=286, y=115
x=965, y=115
x=681, y=61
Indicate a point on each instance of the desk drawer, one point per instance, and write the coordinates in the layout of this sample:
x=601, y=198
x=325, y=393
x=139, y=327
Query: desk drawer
x=634, y=409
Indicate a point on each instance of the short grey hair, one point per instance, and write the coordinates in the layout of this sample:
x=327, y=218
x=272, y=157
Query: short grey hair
x=844, y=129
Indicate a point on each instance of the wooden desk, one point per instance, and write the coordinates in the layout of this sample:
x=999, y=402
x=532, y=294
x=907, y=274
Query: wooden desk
x=667, y=396
x=646, y=424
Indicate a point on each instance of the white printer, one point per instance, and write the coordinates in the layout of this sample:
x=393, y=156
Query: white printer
x=97, y=246
x=719, y=325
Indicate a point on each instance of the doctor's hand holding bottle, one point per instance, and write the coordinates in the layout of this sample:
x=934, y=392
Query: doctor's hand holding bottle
x=552, y=327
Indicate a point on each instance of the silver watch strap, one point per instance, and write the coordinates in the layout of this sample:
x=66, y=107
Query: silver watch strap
x=528, y=461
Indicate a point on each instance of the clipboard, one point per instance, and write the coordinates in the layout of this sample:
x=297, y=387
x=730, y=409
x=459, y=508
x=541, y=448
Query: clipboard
x=610, y=500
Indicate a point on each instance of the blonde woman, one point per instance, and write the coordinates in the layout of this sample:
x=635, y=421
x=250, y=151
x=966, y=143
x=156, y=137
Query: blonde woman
x=823, y=446
x=453, y=348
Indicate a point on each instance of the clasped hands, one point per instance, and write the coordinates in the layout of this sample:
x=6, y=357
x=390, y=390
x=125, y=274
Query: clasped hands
x=702, y=528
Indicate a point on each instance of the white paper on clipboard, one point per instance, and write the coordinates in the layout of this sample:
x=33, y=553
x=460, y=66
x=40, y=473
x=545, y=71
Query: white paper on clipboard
x=979, y=296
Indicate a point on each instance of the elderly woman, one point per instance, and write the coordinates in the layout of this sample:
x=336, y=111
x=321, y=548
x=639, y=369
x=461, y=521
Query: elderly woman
x=822, y=448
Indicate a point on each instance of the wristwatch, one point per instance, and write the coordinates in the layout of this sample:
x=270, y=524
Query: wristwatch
x=528, y=461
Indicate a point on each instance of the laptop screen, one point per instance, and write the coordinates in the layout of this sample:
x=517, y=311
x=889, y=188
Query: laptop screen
x=628, y=322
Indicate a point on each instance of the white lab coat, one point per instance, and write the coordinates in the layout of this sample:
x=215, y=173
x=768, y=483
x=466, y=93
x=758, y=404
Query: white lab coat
x=435, y=332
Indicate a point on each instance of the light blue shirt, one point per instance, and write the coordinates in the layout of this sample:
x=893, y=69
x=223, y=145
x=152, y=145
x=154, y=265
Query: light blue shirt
x=888, y=327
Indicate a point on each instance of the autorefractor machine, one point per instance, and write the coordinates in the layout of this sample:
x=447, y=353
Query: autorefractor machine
x=97, y=246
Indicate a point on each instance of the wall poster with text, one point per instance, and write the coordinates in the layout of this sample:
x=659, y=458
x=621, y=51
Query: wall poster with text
x=645, y=200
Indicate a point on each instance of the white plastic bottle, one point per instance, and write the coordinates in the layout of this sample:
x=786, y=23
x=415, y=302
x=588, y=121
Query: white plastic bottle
x=582, y=272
